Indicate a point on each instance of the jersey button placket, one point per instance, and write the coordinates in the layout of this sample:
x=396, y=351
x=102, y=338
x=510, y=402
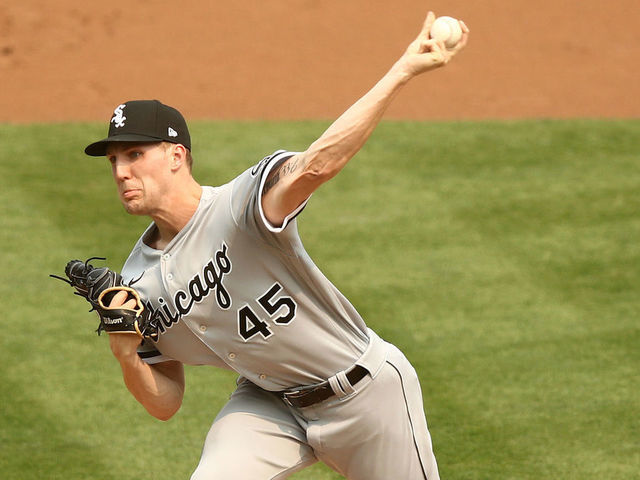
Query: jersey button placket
x=165, y=265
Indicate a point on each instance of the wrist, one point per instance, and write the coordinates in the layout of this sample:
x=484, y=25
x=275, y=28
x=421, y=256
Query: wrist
x=401, y=72
x=124, y=347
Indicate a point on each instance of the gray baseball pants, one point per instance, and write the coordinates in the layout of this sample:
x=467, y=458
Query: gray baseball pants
x=375, y=430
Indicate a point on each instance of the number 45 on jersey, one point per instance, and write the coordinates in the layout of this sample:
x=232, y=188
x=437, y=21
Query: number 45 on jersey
x=278, y=309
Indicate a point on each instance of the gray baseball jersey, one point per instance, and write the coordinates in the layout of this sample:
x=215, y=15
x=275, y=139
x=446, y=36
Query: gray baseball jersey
x=233, y=291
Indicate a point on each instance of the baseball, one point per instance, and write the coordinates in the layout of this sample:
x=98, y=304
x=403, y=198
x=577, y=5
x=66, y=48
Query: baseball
x=447, y=30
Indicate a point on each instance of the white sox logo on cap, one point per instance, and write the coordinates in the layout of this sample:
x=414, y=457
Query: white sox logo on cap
x=145, y=121
x=118, y=116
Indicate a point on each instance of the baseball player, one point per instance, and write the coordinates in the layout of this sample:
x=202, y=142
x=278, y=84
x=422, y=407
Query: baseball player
x=228, y=282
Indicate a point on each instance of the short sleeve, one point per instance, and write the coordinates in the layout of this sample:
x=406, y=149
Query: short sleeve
x=247, y=196
x=149, y=354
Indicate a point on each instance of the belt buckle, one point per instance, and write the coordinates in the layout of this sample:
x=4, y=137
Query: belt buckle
x=299, y=393
x=285, y=397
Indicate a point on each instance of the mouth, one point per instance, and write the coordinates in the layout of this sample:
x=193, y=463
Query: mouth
x=130, y=193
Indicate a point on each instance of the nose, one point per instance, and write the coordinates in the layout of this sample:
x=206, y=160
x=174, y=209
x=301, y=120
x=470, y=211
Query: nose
x=121, y=169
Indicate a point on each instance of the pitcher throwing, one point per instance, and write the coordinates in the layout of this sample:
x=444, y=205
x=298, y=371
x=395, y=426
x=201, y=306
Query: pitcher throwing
x=228, y=283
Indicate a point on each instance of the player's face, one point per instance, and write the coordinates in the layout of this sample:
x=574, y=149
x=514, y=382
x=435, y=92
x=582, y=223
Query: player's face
x=141, y=172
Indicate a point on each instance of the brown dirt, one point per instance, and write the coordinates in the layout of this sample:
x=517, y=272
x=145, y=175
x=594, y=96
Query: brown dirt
x=290, y=59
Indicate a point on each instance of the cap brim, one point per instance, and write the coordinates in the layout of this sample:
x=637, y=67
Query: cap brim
x=99, y=149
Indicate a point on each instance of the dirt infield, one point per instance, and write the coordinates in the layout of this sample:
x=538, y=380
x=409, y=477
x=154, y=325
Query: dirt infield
x=294, y=59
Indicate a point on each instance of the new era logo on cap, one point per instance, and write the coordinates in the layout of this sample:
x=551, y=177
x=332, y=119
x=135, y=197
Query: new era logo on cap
x=143, y=121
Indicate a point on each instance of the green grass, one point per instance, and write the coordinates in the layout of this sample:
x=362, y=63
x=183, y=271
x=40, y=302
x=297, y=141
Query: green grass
x=502, y=257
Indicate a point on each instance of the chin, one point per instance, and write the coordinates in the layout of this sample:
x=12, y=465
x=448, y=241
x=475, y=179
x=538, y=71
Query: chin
x=134, y=208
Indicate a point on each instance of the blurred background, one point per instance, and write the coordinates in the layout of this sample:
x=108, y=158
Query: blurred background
x=489, y=228
x=299, y=59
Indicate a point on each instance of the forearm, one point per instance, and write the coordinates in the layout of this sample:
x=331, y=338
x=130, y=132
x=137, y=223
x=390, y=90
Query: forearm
x=159, y=388
x=344, y=138
x=160, y=394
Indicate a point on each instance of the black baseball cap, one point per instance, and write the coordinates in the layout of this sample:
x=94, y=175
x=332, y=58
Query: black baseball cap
x=143, y=121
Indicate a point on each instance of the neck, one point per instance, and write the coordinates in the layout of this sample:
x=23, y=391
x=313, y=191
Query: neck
x=176, y=212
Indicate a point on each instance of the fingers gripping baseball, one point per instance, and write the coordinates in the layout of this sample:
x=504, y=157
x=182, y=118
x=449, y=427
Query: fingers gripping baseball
x=426, y=53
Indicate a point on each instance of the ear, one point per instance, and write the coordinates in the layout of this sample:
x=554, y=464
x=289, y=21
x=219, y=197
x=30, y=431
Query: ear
x=178, y=157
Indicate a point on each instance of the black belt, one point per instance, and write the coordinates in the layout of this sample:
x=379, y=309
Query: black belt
x=308, y=396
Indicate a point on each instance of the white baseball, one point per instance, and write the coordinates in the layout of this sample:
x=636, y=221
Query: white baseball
x=447, y=30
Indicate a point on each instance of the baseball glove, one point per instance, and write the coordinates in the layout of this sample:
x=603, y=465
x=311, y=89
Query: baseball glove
x=98, y=286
